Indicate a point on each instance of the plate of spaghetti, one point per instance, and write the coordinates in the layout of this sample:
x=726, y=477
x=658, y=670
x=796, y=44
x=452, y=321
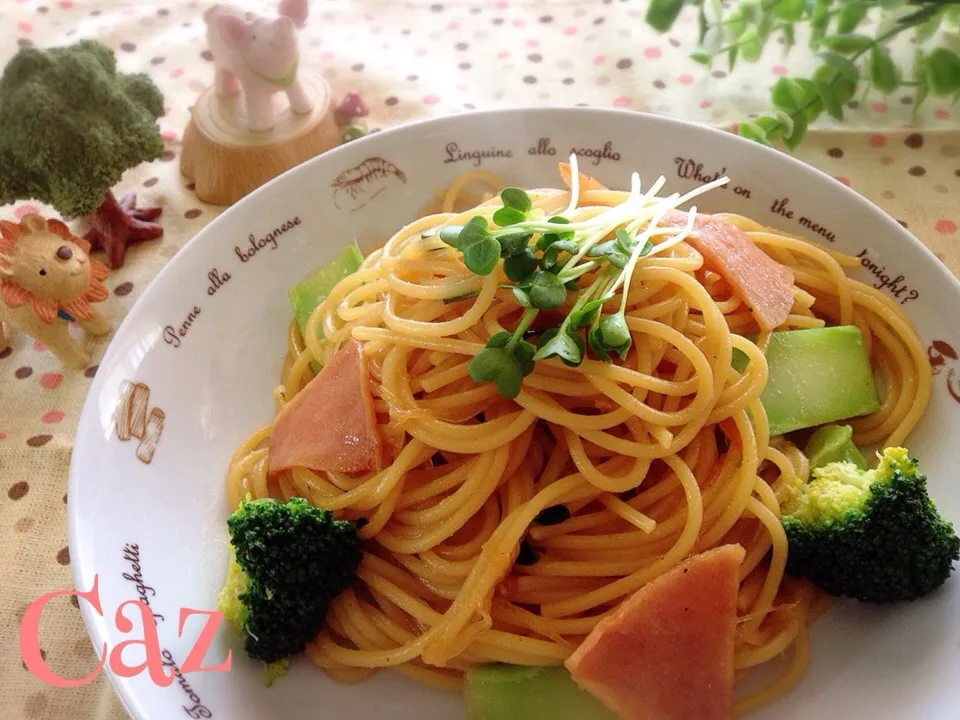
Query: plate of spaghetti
x=547, y=413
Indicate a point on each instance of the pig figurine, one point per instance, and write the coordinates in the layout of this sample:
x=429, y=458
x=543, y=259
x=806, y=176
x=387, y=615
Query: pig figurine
x=259, y=55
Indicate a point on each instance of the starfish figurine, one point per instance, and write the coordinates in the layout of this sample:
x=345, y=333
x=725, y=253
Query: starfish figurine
x=117, y=224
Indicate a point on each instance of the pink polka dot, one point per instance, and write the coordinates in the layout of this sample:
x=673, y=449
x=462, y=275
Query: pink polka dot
x=652, y=52
x=622, y=102
x=532, y=42
x=880, y=107
x=326, y=55
x=3, y=436
x=368, y=17
x=169, y=135
x=385, y=46
x=502, y=5
x=947, y=227
x=842, y=179
x=570, y=30
x=24, y=27
x=430, y=99
x=54, y=416
x=453, y=25
x=941, y=114
x=420, y=52
x=503, y=54
x=66, y=4
x=598, y=59
x=129, y=11
x=461, y=88
x=519, y=22
x=878, y=141
x=50, y=381
x=704, y=104
x=39, y=346
x=176, y=72
x=778, y=70
x=685, y=79
x=24, y=210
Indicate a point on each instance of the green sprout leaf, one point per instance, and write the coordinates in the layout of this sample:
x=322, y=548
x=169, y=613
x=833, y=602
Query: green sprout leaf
x=451, y=235
x=508, y=216
x=514, y=243
x=615, y=334
x=517, y=199
x=595, y=340
x=482, y=256
x=519, y=267
x=550, y=260
x=546, y=291
x=560, y=342
x=587, y=313
x=505, y=360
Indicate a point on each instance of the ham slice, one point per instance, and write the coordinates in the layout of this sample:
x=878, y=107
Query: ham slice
x=764, y=284
x=667, y=652
x=331, y=424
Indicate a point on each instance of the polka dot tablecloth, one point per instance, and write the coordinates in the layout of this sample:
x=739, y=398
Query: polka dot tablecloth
x=411, y=60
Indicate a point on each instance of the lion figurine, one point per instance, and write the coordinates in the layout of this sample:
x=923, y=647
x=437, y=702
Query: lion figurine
x=47, y=280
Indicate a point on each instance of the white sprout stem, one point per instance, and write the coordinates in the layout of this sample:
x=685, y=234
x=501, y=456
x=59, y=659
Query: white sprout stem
x=574, y=185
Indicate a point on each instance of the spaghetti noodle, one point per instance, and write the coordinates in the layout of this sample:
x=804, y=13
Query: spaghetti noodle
x=632, y=450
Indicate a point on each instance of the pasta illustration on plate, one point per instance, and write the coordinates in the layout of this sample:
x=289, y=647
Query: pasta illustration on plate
x=135, y=419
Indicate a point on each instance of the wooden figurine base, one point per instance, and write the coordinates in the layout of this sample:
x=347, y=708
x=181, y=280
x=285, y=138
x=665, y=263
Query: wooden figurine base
x=227, y=161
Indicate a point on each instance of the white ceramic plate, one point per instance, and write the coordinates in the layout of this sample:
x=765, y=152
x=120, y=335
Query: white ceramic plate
x=206, y=342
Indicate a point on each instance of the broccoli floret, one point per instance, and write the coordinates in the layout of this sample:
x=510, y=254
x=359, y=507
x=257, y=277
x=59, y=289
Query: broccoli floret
x=288, y=560
x=872, y=535
x=71, y=125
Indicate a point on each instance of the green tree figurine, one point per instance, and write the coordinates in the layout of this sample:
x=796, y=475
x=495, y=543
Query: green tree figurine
x=70, y=125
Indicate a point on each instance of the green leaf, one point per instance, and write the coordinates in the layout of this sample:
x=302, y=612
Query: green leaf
x=789, y=36
x=451, y=235
x=790, y=9
x=546, y=291
x=829, y=97
x=558, y=342
x=783, y=124
x=847, y=43
x=662, y=13
x=850, y=16
x=732, y=57
x=516, y=198
x=750, y=46
x=508, y=216
x=595, y=340
x=547, y=239
x=788, y=95
x=752, y=131
x=892, y=4
x=844, y=66
x=843, y=87
x=551, y=256
x=514, y=243
x=585, y=315
x=928, y=29
x=799, y=130
x=734, y=22
x=819, y=21
x=482, y=256
x=519, y=267
x=521, y=296
x=943, y=71
x=712, y=11
x=524, y=353
x=884, y=74
x=624, y=242
x=701, y=56
x=495, y=363
x=609, y=251
x=615, y=334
